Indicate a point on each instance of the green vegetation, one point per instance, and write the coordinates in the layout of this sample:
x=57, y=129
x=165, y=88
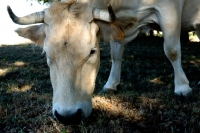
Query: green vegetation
x=144, y=102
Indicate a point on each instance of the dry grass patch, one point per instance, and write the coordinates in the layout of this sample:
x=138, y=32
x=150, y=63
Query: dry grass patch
x=144, y=101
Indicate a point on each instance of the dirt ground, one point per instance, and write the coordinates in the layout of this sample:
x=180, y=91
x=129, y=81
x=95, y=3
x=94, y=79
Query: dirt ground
x=144, y=102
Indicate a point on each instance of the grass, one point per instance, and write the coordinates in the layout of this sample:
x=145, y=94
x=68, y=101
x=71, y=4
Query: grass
x=144, y=102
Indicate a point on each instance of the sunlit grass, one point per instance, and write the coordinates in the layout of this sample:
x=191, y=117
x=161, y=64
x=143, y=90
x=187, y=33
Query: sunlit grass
x=156, y=81
x=19, y=63
x=3, y=71
x=144, y=101
x=22, y=88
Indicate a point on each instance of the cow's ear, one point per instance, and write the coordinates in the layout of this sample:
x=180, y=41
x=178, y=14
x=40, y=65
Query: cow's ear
x=121, y=25
x=115, y=30
x=34, y=33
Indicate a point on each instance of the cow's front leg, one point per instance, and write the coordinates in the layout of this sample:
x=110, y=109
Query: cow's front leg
x=116, y=52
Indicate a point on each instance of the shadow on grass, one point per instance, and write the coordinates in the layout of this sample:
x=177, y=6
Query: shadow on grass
x=145, y=102
x=22, y=65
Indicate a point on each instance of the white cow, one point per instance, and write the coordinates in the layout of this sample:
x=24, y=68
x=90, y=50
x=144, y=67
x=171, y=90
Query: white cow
x=170, y=20
x=69, y=33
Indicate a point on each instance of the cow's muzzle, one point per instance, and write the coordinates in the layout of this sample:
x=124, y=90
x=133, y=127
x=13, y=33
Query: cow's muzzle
x=70, y=117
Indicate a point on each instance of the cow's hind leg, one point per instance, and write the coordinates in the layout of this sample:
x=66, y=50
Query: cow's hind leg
x=172, y=48
x=116, y=52
x=173, y=52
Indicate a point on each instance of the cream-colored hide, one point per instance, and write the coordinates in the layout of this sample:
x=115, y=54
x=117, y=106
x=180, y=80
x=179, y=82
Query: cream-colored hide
x=69, y=38
x=73, y=62
x=72, y=52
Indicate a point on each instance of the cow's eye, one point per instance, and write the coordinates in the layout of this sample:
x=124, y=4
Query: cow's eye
x=93, y=51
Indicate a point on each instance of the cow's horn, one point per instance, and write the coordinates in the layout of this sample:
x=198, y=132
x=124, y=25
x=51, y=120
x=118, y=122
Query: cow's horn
x=37, y=17
x=105, y=15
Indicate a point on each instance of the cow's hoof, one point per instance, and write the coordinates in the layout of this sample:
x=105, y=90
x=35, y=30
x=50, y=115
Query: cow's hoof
x=182, y=98
x=109, y=90
x=106, y=91
x=101, y=92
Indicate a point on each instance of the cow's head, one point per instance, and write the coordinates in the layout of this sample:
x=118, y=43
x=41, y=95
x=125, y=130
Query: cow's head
x=69, y=34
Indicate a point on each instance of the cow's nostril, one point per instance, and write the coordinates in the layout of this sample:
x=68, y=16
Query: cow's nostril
x=70, y=118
